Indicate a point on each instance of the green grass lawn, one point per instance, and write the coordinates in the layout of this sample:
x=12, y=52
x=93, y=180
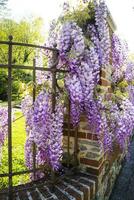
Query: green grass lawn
x=5, y=103
x=18, y=141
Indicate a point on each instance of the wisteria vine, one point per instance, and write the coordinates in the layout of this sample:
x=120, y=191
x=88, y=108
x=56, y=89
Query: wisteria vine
x=84, y=62
x=111, y=119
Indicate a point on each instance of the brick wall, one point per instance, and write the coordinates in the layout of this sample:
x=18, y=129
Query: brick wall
x=91, y=158
x=105, y=167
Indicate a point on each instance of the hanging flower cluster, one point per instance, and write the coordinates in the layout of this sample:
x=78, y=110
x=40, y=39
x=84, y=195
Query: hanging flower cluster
x=131, y=93
x=119, y=57
x=101, y=14
x=125, y=125
x=119, y=51
x=44, y=129
x=129, y=73
x=3, y=127
x=129, y=76
x=71, y=42
x=123, y=74
x=42, y=77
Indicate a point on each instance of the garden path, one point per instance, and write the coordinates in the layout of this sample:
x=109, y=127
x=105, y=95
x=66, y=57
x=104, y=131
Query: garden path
x=124, y=186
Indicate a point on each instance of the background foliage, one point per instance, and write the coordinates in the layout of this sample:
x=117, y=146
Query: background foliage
x=26, y=31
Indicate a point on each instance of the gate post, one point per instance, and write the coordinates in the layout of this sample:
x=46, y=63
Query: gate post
x=10, y=116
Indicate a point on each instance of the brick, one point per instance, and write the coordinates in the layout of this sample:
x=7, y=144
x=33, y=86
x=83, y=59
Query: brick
x=81, y=135
x=90, y=180
x=61, y=194
x=85, y=188
x=95, y=171
x=95, y=137
x=103, y=73
x=90, y=183
x=78, y=186
x=72, y=132
x=110, y=90
x=73, y=193
x=43, y=192
x=91, y=136
x=91, y=162
x=89, y=176
x=108, y=96
x=104, y=82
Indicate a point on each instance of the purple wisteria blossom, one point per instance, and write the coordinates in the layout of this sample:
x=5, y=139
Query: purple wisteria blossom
x=119, y=51
x=3, y=127
x=44, y=129
x=101, y=13
x=71, y=42
x=108, y=119
x=129, y=73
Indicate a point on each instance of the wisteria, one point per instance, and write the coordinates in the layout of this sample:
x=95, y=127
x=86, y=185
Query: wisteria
x=101, y=13
x=119, y=51
x=52, y=36
x=74, y=88
x=83, y=65
x=131, y=93
x=117, y=74
x=44, y=129
x=85, y=71
x=75, y=113
x=125, y=122
x=71, y=42
x=55, y=137
x=94, y=35
x=123, y=115
x=110, y=120
x=3, y=127
x=129, y=74
x=42, y=77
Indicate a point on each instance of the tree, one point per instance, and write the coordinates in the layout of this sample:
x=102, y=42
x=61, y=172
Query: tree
x=26, y=31
x=3, y=7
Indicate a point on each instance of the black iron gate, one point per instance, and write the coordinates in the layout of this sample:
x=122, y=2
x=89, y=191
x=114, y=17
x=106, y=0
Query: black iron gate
x=9, y=66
